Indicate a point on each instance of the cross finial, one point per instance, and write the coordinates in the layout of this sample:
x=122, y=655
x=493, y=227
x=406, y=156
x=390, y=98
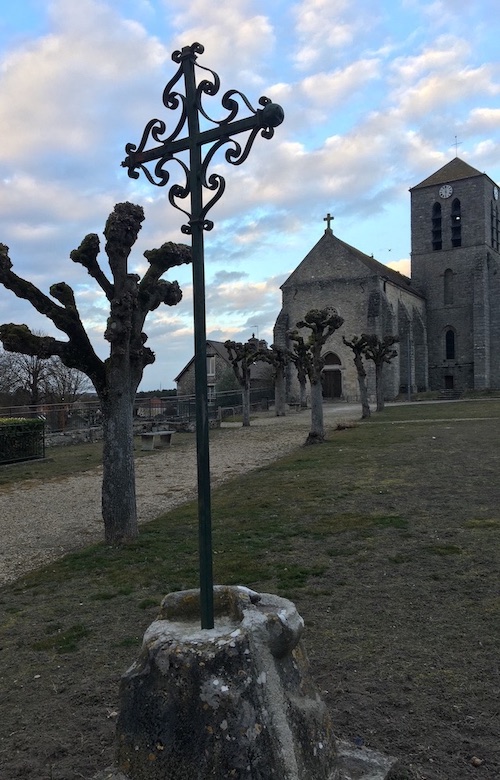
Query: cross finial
x=457, y=144
x=328, y=219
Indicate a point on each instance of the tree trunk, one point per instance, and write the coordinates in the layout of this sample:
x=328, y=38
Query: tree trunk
x=379, y=386
x=317, y=432
x=279, y=392
x=303, y=396
x=363, y=391
x=245, y=404
x=119, y=509
x=363, y=394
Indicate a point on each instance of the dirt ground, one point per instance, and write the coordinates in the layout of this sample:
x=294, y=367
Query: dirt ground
x=402, y=626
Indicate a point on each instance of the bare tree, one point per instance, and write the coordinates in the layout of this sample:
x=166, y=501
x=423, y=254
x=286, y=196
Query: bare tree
x=358, y=346
x=115, y=379
x=63, y=383
x=6, y=374
x=241, y=357
x=278, y=358
x=300, y=357
x=35, y=380
x=380, y=351
x=321, y=324
x=28, y=375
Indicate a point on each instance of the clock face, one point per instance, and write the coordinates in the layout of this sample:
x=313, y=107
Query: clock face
x=495, y=193
x=445, y=191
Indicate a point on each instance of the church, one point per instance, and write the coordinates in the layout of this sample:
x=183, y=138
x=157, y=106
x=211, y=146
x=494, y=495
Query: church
x=447, y=315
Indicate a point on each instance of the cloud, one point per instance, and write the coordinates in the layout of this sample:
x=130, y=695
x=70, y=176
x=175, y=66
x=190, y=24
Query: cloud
x=403, y=266
x=234, y=37
x=329, y=88
x=373, y=98
x=57, y=91
x=324, y=26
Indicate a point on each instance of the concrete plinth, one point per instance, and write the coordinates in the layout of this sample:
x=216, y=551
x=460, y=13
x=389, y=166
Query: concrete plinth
x=233, y=702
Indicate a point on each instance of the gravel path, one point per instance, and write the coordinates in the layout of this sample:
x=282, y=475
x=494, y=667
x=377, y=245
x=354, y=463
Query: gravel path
x=40, y=521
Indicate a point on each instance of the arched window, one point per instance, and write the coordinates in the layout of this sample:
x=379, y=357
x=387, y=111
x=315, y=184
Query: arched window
x=450, y=344
x=437, y=236
x=456, y=223
x=448, y=287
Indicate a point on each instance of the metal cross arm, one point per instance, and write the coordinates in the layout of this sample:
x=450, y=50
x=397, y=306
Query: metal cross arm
x=190, y=116
x=264, y=118
x=192, y=111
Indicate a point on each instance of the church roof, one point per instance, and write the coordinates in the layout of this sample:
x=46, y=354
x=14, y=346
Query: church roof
x=453, y=171
x=326, y=248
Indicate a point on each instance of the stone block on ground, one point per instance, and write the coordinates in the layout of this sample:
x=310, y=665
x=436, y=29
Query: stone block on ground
x=233, y=702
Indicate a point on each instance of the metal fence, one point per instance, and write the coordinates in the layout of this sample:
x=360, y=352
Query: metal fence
x=81, y=414
x=20, y=441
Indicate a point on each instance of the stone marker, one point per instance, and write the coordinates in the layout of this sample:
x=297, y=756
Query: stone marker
x=233, y=702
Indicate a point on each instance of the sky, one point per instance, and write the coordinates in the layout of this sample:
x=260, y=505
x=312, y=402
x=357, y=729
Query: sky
x=377, y=95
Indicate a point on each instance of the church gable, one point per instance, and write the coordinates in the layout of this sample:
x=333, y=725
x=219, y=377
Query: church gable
x=332, y=258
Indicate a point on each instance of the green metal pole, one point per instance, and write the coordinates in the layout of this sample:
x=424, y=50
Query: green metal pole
x=200, y=343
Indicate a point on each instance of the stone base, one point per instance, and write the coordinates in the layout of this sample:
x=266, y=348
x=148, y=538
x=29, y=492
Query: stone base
x=234, y=702
x=351, y=764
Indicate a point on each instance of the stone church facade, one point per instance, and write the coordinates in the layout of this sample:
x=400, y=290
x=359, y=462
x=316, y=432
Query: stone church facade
x=447, y=315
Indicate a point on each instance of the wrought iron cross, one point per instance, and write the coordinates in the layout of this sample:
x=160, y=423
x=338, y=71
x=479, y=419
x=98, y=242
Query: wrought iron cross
x=328, y=219
x=197, y=183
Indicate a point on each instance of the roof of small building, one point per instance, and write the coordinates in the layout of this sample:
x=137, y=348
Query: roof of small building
x=453, y=171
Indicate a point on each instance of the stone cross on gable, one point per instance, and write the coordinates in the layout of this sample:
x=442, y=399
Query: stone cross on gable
x=328, y=219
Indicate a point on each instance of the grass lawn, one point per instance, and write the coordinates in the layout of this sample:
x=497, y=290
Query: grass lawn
x=386, y=538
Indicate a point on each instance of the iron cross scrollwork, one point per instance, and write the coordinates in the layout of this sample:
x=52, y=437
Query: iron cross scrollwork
x=191, y=115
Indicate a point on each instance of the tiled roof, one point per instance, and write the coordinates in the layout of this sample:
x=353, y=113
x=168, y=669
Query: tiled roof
x=453, y=171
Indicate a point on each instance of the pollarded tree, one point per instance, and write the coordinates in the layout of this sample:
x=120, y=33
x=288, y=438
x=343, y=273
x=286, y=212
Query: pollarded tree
x=358, y=345
x=380, y=351
x=242, y=356
x=117, y=377
x=321, y=324
x=278, y=358
x=300, y=357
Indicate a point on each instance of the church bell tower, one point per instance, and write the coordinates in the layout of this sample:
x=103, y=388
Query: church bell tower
x=455, y=264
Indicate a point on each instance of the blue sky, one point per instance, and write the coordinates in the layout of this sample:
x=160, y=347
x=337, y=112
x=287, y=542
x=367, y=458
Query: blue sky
x=374, y=94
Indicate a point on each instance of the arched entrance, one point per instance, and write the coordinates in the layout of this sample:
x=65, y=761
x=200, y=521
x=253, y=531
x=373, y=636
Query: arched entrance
x=331, y=376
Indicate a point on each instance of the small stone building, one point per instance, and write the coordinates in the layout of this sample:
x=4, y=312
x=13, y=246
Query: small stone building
x=219, y=366
x=447, y=316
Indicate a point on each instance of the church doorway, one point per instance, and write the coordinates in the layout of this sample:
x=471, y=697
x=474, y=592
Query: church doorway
x=331, y=376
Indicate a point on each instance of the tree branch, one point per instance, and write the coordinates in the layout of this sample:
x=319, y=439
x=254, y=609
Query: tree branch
x=86, y=255
x=121, y=231
x=24, y=289
x=152, y=289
